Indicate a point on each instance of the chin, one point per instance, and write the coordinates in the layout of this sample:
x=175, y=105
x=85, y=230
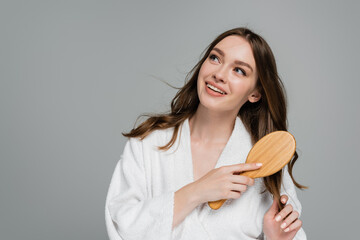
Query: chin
x=213, y=106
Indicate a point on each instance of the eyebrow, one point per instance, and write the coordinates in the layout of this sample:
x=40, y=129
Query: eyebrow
x=236, y=61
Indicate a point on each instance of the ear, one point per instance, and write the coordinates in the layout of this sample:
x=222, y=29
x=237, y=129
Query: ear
x=254, y=96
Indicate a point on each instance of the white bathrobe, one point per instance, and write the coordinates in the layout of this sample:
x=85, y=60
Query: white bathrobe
x=140, y=200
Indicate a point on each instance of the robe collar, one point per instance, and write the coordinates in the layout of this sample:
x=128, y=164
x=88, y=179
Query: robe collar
x=234, y=152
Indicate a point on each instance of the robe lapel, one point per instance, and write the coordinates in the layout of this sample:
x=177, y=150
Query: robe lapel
x=237, y=147
x=235, y=151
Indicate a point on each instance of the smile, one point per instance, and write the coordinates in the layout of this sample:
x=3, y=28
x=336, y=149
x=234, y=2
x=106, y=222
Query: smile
x=215, y=89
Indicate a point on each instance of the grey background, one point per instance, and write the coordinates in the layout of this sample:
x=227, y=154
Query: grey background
x=75, y=74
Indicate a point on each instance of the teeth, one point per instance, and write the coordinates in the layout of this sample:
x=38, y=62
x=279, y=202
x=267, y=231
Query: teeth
x=215, y=88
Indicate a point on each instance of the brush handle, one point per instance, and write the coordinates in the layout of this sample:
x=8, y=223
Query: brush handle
x=216, y=204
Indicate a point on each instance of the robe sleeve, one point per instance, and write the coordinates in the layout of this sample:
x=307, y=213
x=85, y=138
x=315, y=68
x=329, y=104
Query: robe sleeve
x=130, y=212
x=288, y=188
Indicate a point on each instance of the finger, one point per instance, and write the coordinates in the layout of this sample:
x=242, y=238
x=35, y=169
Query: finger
x=290, y=219
x=284, y=198
x=233, y=195
x=243, y=167
x=283, y=213
x=294, y=226
x=238, y=187
x=238, y=179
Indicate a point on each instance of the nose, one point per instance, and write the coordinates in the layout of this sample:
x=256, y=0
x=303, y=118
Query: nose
x=220, y=74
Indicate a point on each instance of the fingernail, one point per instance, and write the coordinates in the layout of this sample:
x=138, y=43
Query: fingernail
x=286, y=230
x=283, y=200
x=278, y=217
x=283, y=225
x=259, y=164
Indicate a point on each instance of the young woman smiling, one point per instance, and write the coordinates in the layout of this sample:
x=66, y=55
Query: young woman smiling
x=233, y=98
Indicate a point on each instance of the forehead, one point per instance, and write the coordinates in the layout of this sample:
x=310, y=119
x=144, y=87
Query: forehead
x=237, y=48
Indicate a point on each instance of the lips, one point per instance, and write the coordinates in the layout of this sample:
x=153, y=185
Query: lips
x=216, y=86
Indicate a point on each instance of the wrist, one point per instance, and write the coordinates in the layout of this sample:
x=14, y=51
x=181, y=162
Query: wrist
x=191, y=195
x=184, y=203
x=264, y=237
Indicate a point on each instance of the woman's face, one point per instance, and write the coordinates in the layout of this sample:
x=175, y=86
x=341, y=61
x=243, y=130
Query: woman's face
x=227, y=78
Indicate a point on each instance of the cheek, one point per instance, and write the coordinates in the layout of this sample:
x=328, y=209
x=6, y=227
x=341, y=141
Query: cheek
x=240, y=87
x=205, y=69
x=201, y=77
x=241, y=90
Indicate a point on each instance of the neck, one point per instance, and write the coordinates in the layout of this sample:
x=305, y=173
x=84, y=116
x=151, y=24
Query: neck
x=211, y=127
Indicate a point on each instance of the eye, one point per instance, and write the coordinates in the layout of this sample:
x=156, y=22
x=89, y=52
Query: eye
x=213, y=57
x=240, y=71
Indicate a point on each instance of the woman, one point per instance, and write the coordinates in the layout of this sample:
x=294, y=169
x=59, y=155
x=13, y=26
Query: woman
x=174, y=164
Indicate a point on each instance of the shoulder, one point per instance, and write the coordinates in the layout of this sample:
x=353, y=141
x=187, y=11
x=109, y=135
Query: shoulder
x=156, y=138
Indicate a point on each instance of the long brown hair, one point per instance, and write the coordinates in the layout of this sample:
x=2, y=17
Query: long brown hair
x=260, y=118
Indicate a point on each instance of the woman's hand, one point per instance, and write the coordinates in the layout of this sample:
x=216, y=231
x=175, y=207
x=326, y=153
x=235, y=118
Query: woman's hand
x=223, y=183
x=281, y=225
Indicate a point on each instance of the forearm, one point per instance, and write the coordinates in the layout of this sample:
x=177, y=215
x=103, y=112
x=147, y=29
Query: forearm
x=185, y=201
